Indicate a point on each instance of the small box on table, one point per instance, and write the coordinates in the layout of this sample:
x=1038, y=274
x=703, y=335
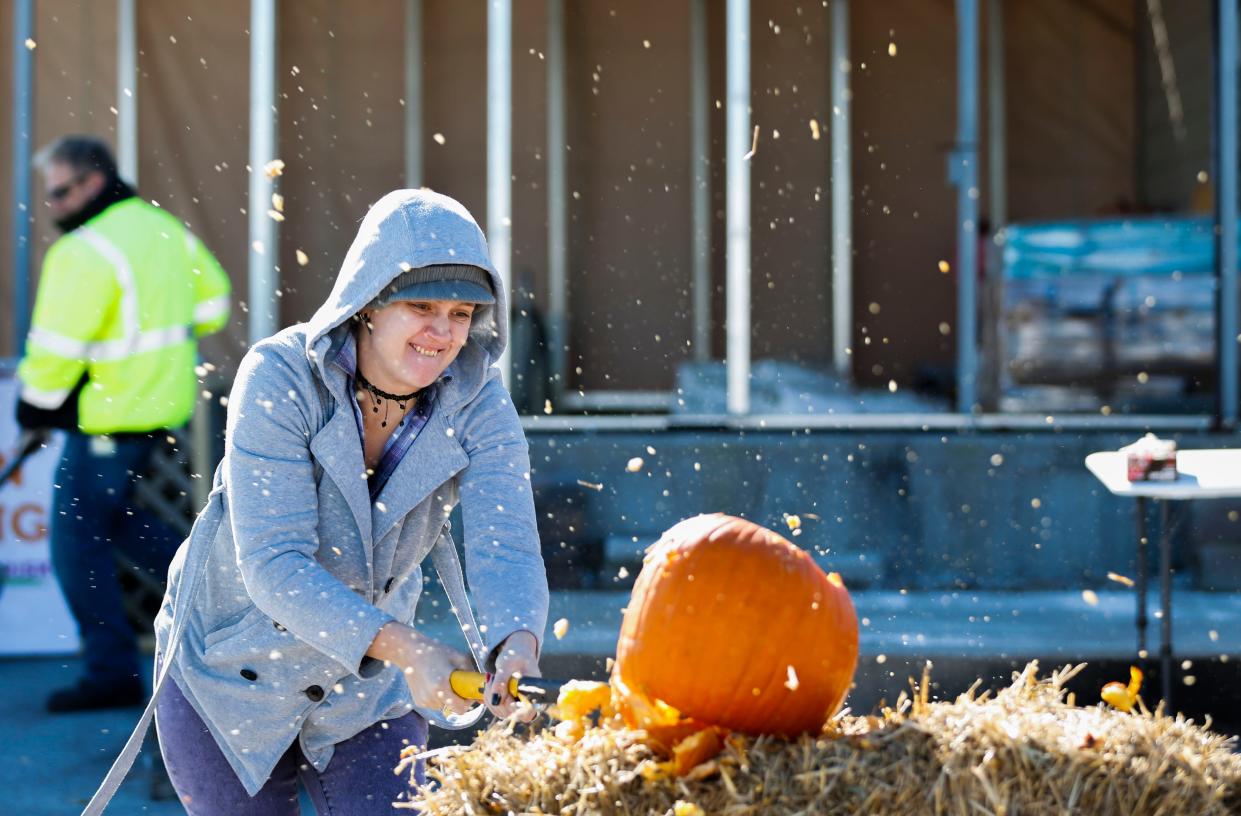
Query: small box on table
x=1151, y=459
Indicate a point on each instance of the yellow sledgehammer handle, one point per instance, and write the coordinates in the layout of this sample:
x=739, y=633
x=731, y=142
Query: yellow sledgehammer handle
x=469, y=685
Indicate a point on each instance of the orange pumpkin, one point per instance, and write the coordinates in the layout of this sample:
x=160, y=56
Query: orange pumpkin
x=732, y=625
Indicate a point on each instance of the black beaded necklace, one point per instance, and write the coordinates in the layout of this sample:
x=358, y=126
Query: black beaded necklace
x=378, y=397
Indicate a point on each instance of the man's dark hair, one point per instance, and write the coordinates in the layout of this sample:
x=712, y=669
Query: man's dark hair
x=82, y=153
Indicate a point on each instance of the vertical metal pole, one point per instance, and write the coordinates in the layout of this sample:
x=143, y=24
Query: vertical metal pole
x=738, y=140
x=700, y=177
x=127, y=90
x=1165, y=601
x=263, y=249
x=991, y=278
x=557, y=201
x=1141, y=582
x=964, y=173
x=842, y=194
x=997, y=161
x=23, y=136
x=413, y=93
x=1226, y=209
x=200, y=444
x=500, y=148
x=1141, y=54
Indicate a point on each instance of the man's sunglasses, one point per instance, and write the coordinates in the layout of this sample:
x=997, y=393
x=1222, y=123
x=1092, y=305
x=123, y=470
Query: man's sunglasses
x=61, y=190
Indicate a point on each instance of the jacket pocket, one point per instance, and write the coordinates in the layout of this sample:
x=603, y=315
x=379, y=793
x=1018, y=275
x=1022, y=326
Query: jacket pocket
x=231, y=628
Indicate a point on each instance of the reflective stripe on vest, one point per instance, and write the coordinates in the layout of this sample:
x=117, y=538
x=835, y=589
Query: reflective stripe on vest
x=109, y=351
x=47, y=400
x=134, y=341
x=124, y=278
x=212, y=309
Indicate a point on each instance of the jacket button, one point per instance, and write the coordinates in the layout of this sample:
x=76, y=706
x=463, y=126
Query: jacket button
x=250, y=674
x=315, y=693
x=388, y=586
x=279, y=628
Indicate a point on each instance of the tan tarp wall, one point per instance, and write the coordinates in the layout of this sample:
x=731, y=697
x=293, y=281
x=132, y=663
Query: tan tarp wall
x=1070, y=120
x=1170, y=162
x=904, y=208
x=1071, y=108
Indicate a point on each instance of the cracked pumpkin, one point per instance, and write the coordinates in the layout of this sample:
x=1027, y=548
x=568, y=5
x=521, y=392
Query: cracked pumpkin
x=730, y=625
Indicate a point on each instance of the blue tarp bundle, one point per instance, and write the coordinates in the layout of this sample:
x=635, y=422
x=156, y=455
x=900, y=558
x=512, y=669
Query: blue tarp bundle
x=1112, y=248
x=1086, y=302
x=1147, y=264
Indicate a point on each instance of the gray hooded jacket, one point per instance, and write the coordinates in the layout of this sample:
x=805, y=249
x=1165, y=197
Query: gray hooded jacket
x=296, y=568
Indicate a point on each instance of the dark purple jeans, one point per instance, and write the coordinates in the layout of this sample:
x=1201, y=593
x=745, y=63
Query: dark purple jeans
x=358, y=781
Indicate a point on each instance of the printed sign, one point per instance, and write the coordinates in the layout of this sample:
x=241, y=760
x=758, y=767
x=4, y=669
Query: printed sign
x=33, y=616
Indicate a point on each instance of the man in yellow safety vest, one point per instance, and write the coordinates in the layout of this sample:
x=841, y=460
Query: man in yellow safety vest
x=123, y=296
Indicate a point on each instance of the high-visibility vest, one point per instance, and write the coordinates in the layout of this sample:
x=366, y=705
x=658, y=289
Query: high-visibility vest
x=122, y=299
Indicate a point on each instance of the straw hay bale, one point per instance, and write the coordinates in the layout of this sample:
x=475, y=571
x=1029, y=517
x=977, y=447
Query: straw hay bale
x=1026, y=750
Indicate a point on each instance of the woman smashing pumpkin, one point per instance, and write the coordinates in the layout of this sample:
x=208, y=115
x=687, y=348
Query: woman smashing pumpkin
x=288, y=627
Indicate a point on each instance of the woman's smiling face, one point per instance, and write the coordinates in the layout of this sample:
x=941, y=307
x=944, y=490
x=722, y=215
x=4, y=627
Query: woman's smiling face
x=411, y=342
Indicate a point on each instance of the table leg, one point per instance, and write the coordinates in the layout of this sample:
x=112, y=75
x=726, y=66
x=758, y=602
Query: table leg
x=1141, y=582
x=1165, y=592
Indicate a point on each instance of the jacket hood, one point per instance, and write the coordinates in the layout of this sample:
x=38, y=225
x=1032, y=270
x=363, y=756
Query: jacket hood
x=409, y=229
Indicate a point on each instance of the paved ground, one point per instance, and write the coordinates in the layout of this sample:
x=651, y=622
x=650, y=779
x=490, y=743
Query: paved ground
x=51, y=765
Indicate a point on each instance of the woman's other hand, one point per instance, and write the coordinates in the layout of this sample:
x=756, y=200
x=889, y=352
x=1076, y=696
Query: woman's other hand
x=426, y=663
x=517, y=656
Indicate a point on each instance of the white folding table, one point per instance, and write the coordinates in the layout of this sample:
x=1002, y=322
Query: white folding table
x=1201, y=474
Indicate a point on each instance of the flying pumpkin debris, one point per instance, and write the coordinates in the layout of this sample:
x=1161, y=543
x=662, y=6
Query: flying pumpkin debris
x=1121, y=696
